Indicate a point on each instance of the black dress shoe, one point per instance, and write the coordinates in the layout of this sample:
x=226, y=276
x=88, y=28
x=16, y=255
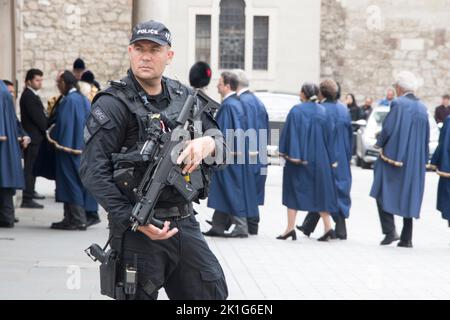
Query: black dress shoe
x=31, y=204
x=237, y=235
x=38, y=196
x=390, y=238
x=330, y=235
x=68, y=226
x=16, y=220
x=92, y=221
x=212, y=233
x=405, y=244
x=291, y=234
x=6, y=225
x=300, y=228
x=341, y=237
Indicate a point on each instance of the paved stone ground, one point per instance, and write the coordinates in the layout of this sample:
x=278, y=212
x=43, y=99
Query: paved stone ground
x=39, y=263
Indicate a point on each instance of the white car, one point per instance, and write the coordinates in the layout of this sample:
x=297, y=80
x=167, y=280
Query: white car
x=366, y=137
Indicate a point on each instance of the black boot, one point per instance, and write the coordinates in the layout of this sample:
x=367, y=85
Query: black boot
x=31, y=204
x=390, y=238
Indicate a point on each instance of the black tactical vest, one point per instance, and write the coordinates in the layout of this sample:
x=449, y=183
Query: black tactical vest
x=137, y=102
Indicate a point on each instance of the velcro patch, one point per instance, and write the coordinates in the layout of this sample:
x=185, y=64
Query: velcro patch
x=100, y=116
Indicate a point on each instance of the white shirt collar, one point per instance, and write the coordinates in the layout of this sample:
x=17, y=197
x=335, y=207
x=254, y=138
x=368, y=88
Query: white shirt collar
x=243, y=91
x=32, y=90
x=71, y=90
x=229, y=95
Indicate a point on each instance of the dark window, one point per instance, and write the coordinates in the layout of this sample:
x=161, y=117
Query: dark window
x=260, y=43
x=232, y=34
x=203, y=38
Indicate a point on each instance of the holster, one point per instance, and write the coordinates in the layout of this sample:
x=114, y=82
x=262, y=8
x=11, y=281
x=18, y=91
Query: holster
x=113, y=275
x=108, y=276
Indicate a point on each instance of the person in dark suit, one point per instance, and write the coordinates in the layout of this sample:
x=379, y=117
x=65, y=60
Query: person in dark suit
x=443, y=111
x=34, y=122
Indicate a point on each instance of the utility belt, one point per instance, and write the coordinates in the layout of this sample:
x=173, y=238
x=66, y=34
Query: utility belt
x=177, y=213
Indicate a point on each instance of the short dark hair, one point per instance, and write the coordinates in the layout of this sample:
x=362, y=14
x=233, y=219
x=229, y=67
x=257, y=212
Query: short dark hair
x=79, y=64
x=446, y=96
x=8, y=83
x=69, y=80
x=88, y=77
x=230, y=79
x=329, y=89
x=33, y=73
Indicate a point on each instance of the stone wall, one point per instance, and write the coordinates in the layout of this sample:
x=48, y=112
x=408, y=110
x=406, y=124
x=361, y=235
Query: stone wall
x=365, y=42
x=53, y=33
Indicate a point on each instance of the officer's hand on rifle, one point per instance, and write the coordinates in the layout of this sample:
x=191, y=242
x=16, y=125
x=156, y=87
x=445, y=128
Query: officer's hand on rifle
x=155, y=233
x=195, y=151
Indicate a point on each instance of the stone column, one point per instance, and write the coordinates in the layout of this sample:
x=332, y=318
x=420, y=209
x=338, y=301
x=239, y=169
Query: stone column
x=144, y=10
x=7, y=34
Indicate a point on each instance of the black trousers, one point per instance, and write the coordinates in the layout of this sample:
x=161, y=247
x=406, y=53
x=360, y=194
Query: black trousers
x=253, y=225
x=313, y=218
x=222, y=221
x=30, y=156
x=183, y=265
x=74, y=214
x=7, y=205
x=388, y=224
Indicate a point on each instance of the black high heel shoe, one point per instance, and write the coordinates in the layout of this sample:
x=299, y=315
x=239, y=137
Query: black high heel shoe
x=330, y=235
x=292, y=234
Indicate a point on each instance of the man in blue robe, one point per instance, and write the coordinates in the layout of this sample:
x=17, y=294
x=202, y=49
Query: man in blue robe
x=12, y=138
x=66, y=136
x=232, y=190
x=399, y=173
x=441, y=163
x=343, y=134
x=257, y=127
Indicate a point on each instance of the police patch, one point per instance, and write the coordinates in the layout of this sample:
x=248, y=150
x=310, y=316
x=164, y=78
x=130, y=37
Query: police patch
x=100, y=116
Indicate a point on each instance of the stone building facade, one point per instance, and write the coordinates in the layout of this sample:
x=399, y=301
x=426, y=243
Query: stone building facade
x=361, y=43
x=365, y=42
x=51, y=34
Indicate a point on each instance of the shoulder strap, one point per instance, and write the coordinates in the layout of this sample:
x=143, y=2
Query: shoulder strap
x=123, y=90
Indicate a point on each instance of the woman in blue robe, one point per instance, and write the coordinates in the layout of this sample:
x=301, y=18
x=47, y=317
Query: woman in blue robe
x=66, y=136
x=308, y=179
x=441, y=163
x=399, y=173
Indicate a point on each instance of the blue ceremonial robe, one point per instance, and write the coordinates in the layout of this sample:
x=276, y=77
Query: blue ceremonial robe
x=441, y=159
x=258, y=120
x=307, y=144
x=341, y=124
x=399, y=174
x=68, y=132
x=11, y=173
x=232, y=189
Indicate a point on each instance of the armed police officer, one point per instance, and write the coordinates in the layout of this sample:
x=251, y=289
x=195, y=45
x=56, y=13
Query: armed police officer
x=175, y=256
